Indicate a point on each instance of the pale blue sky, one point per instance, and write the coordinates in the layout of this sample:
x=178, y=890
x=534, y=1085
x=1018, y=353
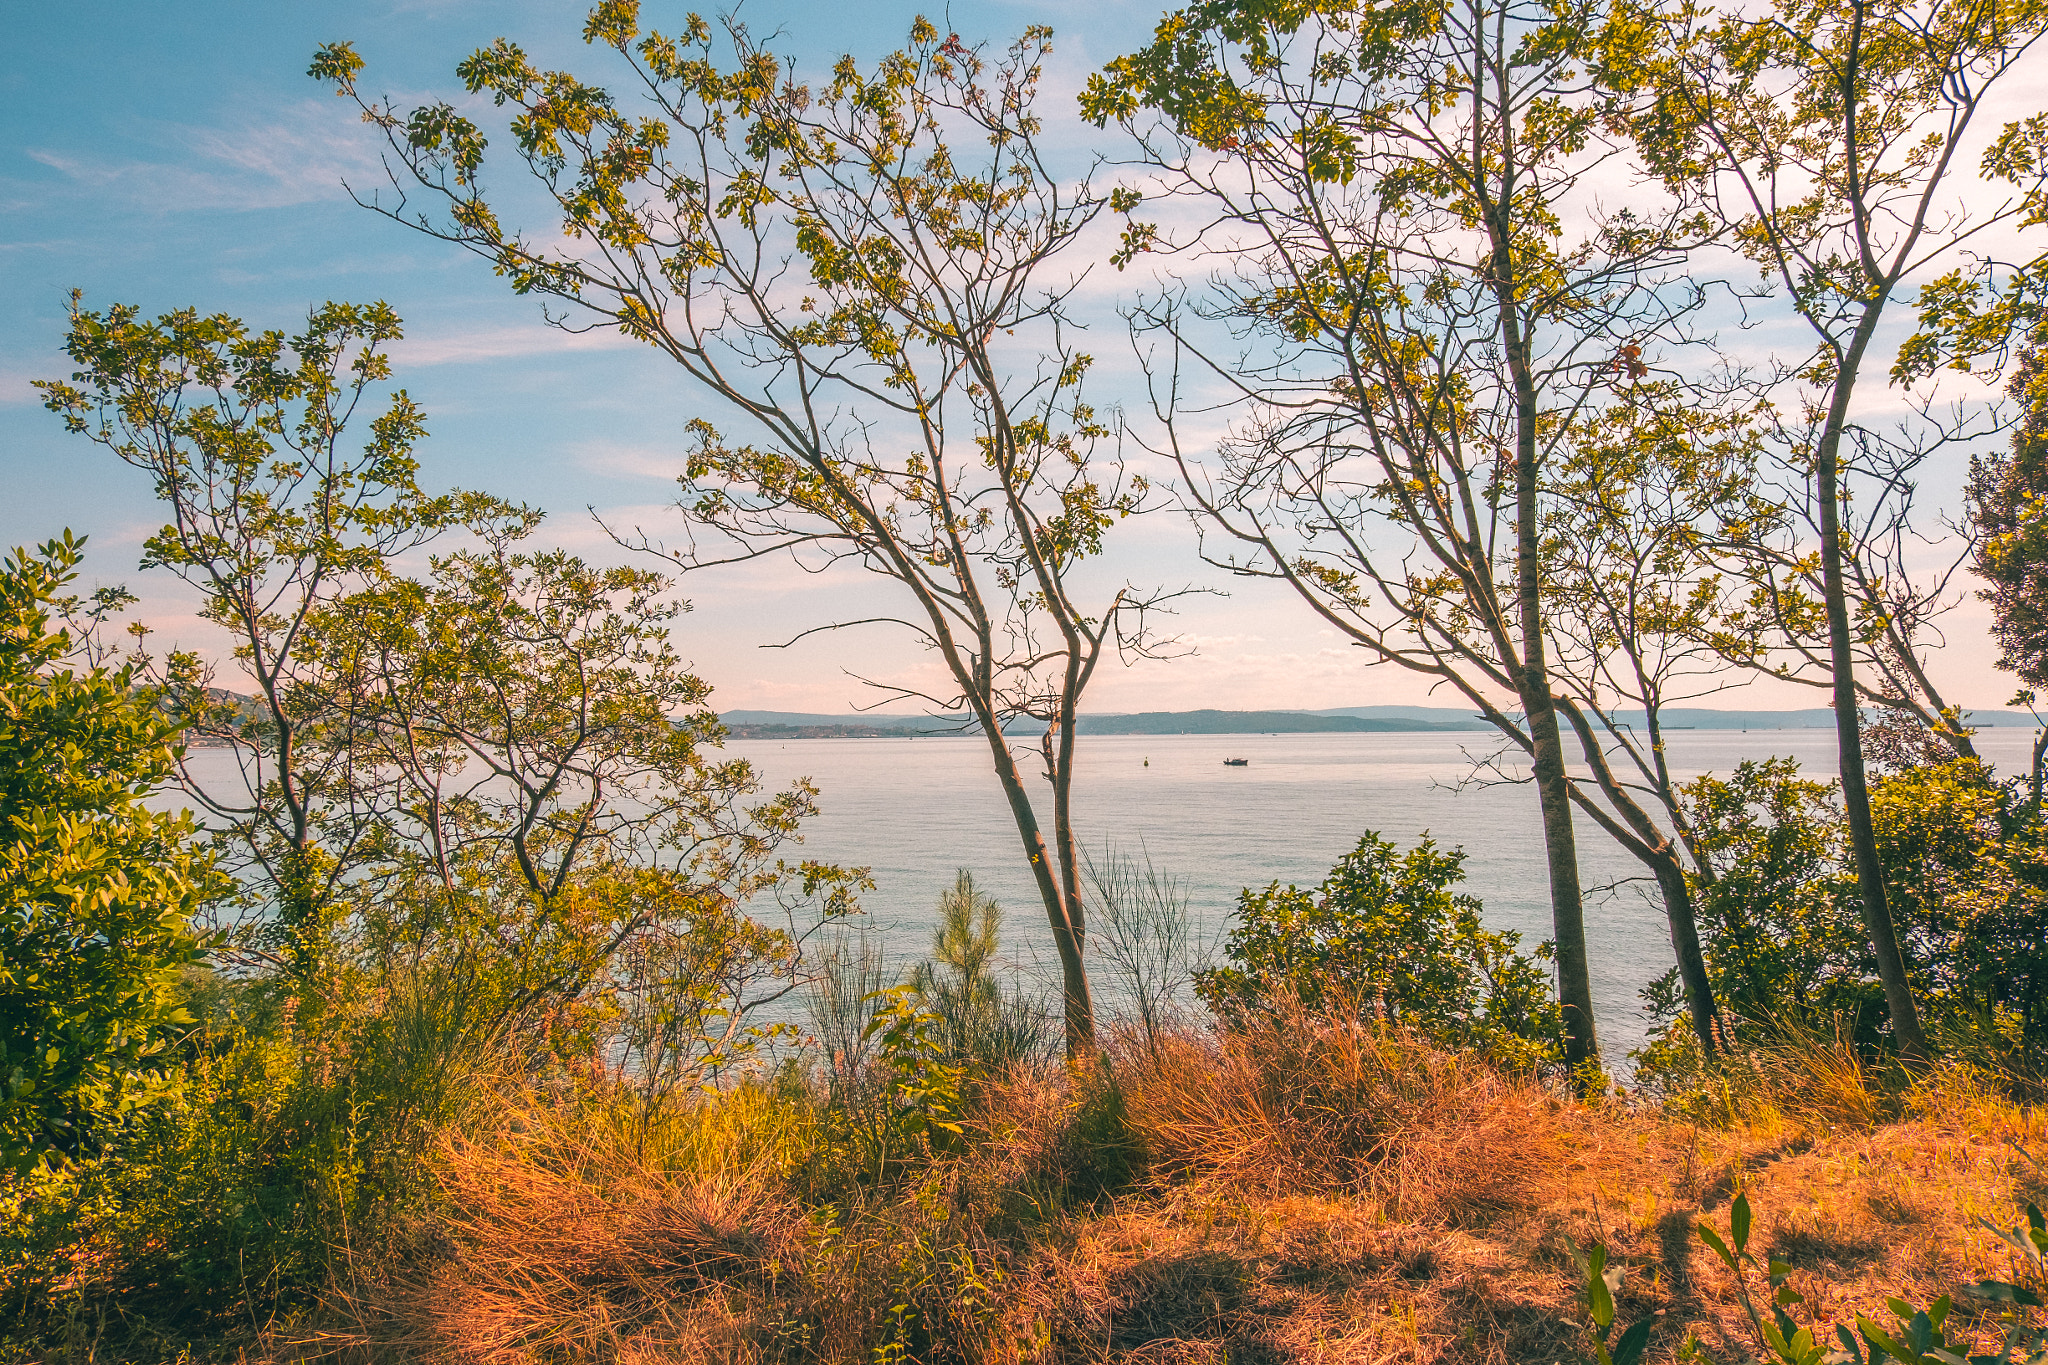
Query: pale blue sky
x=174, y=154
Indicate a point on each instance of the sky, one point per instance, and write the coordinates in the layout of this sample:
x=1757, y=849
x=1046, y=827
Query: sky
x=173, y=155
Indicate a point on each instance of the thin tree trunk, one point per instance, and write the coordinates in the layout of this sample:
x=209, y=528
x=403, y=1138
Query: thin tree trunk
x=1685, y=943
x=2040, y=750
x=1659, y=852
x=1063, y=829
x=1877, y=917
x=1078, y=1009
x=1567, y=906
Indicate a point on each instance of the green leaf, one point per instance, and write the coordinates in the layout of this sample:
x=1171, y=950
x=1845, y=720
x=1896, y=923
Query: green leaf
x=2000, y=1292
x=1599, y=1300
x=1738, y=1223
x=1629, y=1349
x=1720, y=1248
x=1884, y=1341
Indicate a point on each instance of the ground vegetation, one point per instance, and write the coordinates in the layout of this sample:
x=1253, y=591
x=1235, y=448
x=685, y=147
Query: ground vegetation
x=492, y=1014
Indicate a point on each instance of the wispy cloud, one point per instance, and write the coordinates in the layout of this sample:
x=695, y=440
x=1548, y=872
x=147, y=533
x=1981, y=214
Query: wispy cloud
x=500, y=342
x=299, y=154
x=15, y=384
x=625, y=460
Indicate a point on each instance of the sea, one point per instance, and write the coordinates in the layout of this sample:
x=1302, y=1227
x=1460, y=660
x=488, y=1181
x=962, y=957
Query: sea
x=915, y=811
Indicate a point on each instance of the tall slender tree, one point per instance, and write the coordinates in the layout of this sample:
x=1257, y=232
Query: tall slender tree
x=1826, y=134
x=1423, y=333
x=865, y=272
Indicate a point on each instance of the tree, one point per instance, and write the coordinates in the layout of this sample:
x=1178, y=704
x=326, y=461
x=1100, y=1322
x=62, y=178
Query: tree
x=494, y=780
x=862, y=272
x=1423, y=332
x=1824, y=135
x=97, y=891
x=978, y=1022
x=544, y=771
x=2008, y=504
x=272, y=516
x=1632, y=504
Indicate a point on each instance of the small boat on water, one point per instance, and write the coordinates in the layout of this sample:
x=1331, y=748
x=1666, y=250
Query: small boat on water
x=1237, y=763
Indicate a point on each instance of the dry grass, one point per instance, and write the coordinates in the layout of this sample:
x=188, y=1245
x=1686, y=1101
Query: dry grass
x=1305, y=1193
x=555, y=1247
x=1299, y=1105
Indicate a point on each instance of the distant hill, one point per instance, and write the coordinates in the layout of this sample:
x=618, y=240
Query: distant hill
x=804, y=725
x=1342, y=719
x=1258, y=723
x=807, y=720
x=757, y=731
x=1686, y=717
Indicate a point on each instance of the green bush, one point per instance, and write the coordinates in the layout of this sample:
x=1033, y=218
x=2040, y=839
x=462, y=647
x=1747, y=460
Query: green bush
x=1781, y=939
x=97, y=892
x=282, y=1154
x=1966, y=876
x=1385, y=936
x=1966, y=865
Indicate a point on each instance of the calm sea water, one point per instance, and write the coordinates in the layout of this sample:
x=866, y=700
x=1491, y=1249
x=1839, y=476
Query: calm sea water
x=914, y=811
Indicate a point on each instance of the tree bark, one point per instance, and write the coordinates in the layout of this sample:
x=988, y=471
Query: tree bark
x=1077, y=1008
x=1685, y=944
x=1659, y=852
x=1877, y=917
x=2040, y=750
x=1560, y=847
x=1567, y=907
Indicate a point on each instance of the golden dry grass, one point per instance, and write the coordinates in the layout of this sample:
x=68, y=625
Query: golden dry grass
x=1309, y=1193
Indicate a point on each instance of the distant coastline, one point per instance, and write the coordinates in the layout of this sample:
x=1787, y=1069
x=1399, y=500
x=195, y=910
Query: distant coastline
x=754, y=725
x=1345, y=720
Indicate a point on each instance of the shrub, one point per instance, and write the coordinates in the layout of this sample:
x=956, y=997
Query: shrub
x=1967, y=867
x=977, y=1022
x=97, y=892
x=1385, y=937
x=1778, y=939
x=1142, y=933
x=1966, y=873
x=284, y=1154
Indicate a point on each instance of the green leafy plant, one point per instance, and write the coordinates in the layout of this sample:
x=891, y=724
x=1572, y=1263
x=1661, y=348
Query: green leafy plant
x=97, y=892
x=1603, y=1282
x=1917, y=1336
x=979, y=1023
x=1386, y=936
x=924, y=1088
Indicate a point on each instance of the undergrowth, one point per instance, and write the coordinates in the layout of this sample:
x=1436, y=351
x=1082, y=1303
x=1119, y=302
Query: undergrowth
x=1301, y=1189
